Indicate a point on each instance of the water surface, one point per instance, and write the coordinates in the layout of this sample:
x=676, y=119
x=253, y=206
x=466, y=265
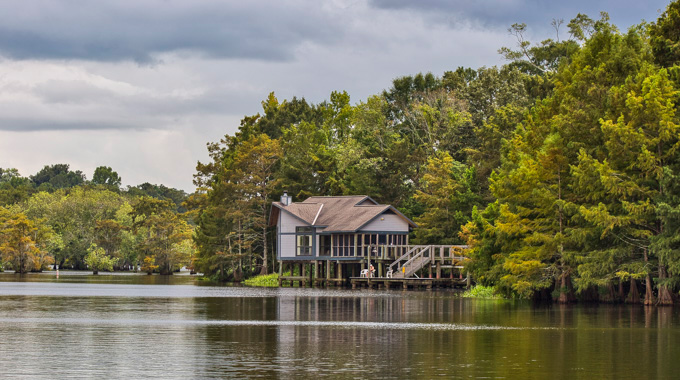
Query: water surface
x=136, y=326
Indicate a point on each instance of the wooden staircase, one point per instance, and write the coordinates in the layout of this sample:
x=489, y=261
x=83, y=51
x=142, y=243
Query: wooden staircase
x=411, y=262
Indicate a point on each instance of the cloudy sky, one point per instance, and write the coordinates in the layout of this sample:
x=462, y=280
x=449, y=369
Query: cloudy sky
x=142, y=85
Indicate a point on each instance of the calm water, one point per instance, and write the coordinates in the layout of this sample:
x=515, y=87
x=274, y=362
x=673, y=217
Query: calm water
x=128, y=326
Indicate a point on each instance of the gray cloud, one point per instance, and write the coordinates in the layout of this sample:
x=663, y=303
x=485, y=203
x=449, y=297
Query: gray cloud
x=536, y=14
x=115, y=30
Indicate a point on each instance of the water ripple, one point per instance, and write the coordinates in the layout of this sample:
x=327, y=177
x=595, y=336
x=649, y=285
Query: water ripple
x=271, y=323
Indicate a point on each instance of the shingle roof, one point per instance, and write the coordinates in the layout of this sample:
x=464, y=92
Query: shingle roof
x=340, y=213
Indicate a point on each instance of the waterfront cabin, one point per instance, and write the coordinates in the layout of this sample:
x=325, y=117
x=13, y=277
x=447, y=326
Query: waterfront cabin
x=350, y=240
x=338, y=228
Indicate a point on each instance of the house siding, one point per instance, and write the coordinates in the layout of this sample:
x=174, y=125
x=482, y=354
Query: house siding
x=289, y=222
x=389, y=223
x=287, y=246
x=286, y=237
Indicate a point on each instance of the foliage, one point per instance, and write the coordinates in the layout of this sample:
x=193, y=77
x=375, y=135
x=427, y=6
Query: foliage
x=149, y=265
x=163, y=234
x=665, y=36
x=57, y=176
x=264, y=280
x=96, y=259
x=104, y=175
x=481, y=291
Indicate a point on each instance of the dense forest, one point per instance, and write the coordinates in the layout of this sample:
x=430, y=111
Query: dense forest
x=559, y=169
x=57, y=216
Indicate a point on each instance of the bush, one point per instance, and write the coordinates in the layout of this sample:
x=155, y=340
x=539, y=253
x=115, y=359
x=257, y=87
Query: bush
x=480, y=291
x=266, y=280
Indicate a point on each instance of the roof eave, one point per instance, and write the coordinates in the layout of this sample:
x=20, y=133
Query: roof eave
x=282, y=208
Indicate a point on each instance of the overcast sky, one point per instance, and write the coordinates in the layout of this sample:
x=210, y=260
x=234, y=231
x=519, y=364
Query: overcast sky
x=142, y=86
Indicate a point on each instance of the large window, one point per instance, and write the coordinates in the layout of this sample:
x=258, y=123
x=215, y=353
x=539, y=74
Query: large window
x=325, y=245
x=303, y=241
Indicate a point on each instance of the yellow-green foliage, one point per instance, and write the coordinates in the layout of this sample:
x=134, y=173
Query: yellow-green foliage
x=266, y=280
x=480, y=291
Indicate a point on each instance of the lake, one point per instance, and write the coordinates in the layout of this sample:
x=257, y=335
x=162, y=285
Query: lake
x=137, y=326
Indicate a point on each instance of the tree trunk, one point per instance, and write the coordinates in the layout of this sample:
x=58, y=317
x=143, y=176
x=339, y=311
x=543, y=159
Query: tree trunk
x=621, y=296
x=265, y=254
x=566, y=289
x=649, y=289
x=633, y=294
x=665, y=297
x=610, y=297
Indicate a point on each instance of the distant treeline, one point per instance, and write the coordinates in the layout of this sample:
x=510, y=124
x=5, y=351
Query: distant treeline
x=59, y=217
x=559, y=169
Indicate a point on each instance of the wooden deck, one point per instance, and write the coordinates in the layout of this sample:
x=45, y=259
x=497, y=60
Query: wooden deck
x=418, y=267
x=409, y=282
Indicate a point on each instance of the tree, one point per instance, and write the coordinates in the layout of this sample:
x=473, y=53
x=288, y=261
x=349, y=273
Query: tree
x=96, y=259
x=253, y=178
x=104, y=175
x=74, y=215
x=665, y=36
x=163, y=232
x=17, y=244
x=149, y=265
x=57, y=176
x=543, y=234
x=447, y=190
x=641, y=142
x=13, y=187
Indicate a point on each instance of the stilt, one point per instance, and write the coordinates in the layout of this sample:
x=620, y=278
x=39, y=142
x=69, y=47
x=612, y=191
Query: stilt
x=439, y=269
x=328, y=272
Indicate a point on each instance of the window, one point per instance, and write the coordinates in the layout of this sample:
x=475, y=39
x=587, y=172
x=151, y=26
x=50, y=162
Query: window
x=325, y=245
x=303, y=241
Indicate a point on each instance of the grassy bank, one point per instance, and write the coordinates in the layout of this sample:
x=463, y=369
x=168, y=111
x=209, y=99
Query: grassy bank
x=267, y=280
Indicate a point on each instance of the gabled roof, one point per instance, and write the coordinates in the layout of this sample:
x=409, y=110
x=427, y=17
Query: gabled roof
x=336, y=213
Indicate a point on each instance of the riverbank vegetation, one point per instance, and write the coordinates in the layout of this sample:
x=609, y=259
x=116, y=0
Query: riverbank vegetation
x=263, y=280
x=559, y=169
x=58, y=217
x=481, y=291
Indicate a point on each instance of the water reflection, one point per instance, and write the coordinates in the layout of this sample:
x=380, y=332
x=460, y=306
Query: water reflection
x=179, y=330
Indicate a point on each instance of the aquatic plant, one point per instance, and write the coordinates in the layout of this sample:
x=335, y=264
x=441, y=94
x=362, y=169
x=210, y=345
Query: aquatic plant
x=265, y=280
x=480, y=291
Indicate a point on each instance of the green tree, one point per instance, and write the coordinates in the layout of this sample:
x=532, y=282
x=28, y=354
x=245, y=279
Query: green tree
x=253, y=178
x=96, y=259
x=447, y=189
x=59, y=176
x=640, y=141
x=665, y=36
x=162, y=230
x=104, y=175
x=17, y=241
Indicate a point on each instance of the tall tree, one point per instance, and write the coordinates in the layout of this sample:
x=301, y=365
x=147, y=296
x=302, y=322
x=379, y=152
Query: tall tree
x=665, y=36
x=104, y=175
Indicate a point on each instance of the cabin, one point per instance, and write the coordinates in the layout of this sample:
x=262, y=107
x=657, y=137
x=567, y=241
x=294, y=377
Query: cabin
x=335, y=227
x=345, y=239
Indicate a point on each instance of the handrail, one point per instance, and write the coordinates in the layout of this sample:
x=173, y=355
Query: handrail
x=410, y=271
x=403, y=257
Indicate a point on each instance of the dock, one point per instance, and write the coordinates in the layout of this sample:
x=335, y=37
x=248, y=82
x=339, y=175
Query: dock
x=384, y=267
